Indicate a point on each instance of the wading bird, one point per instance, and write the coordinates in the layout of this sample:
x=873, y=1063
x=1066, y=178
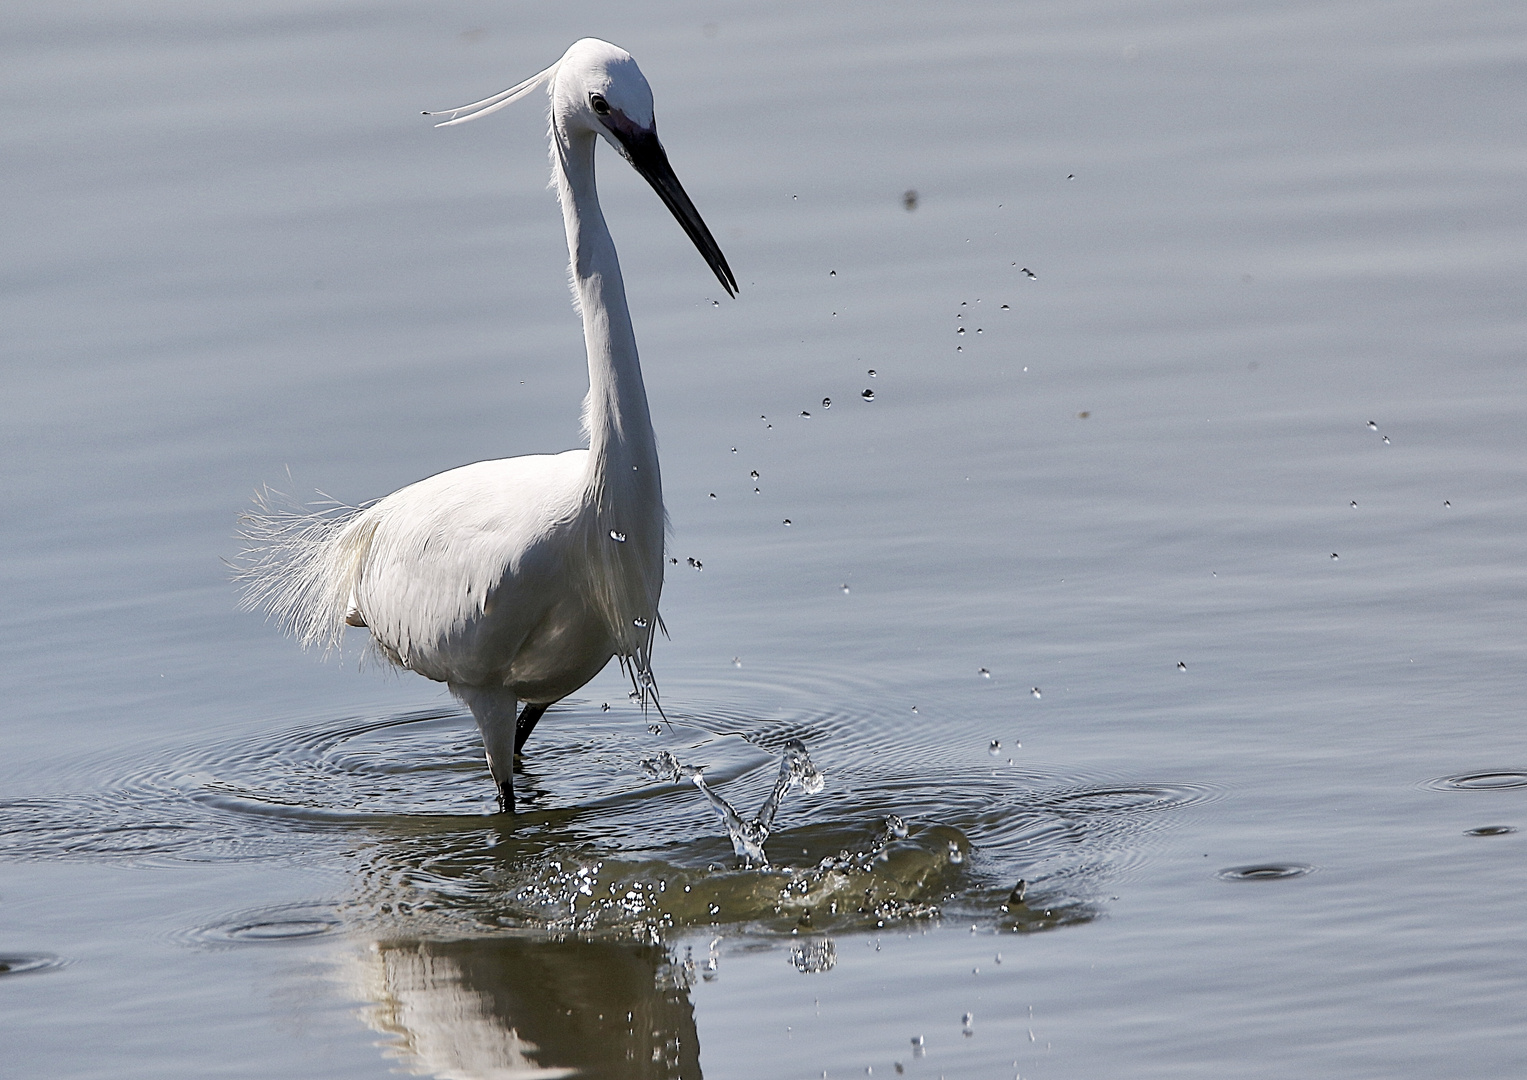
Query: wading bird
x=514, y=581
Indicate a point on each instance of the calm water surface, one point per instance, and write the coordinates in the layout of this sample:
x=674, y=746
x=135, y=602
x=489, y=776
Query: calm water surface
x=1161, y=546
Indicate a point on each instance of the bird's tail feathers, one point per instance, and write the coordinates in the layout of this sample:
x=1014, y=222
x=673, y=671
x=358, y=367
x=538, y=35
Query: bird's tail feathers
x=300, y=563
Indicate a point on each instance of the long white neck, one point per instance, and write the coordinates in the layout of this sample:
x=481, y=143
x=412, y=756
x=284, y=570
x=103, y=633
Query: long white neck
x=623, y=479
x=615, y=414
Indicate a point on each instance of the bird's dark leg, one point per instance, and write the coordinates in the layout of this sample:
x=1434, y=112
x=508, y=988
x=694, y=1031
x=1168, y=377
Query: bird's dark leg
x=493, y=708
x=526, y=724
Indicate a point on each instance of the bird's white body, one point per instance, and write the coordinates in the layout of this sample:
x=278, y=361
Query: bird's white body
x=516, y=580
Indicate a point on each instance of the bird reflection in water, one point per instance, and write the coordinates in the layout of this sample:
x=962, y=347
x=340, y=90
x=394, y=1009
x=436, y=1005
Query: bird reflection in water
x=500, y=1008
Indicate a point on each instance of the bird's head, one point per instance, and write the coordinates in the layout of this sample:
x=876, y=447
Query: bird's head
x=596, y=88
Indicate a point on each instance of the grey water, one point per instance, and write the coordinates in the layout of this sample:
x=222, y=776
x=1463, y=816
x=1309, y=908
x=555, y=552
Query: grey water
x=1161, y=548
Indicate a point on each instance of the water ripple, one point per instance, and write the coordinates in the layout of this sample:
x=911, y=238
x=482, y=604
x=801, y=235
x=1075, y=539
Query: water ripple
x=405, y=802
x=1265, y=872
x=26, y=963
x=1480, y=781
x=269, y=925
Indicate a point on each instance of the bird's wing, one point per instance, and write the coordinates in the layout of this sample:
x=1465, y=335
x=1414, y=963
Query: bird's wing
x=468, y=560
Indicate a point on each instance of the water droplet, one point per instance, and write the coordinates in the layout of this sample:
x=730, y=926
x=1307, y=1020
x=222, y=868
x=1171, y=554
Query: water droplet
x=956, y=856
x=757, y=491
x=1006, y=308
x=845, y=590
x=872, y=373
x=995, y=748
x=604, y=707
x=618, y=537
x=1029, y=272
x=1354, y=504
x=959, y=348
x=734, y=449
x=655, y=729
x=869, y=395
x=985, y=674
x=1181, y=666
x=917, y=1040
x=736, y=661
x=1386, y=440
x=1035, y=691
x=713, y=494
x=914, y=708
x=961, y=330
x=1445, y=503
x=827, y=403
x=1491, y=830
x=979, y=330
x=832, y=273
x=793, y=198
x=805, y=415
x=1373, y=425
x=1334, y=555
x=966, y=1023
x=640, y=624
x=787, y=522
x=754, y=474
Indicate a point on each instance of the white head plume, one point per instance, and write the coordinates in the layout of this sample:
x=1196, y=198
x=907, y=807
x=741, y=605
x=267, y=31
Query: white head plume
x=496, y=102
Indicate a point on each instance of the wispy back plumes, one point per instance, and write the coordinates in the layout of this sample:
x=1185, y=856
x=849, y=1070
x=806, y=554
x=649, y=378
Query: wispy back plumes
x=299, y=563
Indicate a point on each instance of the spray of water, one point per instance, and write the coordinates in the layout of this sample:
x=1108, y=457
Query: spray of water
x=747, y=834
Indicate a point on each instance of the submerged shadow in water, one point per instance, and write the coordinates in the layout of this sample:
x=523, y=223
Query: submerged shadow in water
x=520, y=1007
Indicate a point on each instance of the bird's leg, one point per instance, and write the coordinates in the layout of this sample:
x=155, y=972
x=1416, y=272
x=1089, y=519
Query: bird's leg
x=526, y=724
x=494, y=710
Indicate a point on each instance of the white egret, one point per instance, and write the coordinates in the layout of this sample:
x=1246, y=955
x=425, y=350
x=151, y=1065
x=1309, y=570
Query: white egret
x=514, y=581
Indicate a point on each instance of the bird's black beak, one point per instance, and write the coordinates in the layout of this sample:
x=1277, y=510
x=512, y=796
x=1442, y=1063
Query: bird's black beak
x=648, y=157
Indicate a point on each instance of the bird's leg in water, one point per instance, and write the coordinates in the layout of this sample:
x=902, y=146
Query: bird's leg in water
x=494, y=710
x=527, y=722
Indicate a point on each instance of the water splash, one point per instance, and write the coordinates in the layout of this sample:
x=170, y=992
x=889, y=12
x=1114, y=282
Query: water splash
x=748, y=836
x=812, y=957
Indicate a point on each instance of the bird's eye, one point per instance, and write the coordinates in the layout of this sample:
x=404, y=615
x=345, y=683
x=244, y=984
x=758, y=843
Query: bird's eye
x=599, y=104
